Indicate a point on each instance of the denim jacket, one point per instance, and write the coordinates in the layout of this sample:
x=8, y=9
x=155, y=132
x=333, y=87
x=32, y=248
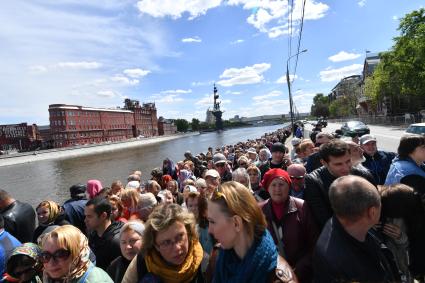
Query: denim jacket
x=401, y=168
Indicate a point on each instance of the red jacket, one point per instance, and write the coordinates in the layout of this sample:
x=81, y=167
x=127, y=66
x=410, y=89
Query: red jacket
x=299, y=232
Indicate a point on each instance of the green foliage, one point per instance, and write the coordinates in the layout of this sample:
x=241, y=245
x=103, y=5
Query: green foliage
x=342, y=107
x=401, y=71
x=182, y=125
x=320, y=106
x=195, y=124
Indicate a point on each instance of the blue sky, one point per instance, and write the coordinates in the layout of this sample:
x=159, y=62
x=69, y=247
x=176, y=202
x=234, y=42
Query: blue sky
x=96, y=53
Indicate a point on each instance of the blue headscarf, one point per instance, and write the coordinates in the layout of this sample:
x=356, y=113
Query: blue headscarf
x=258, y=263
x=170, y=169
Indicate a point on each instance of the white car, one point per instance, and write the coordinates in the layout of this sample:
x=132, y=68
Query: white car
x=418, y=128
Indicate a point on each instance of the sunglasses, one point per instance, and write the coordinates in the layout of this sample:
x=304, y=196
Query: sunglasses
x=18, y=274
x=220, y=165
x=61, y=254
x=297, y=177
x=242, y=164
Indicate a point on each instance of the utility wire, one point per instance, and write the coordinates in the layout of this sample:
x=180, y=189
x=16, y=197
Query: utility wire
x=299, y=38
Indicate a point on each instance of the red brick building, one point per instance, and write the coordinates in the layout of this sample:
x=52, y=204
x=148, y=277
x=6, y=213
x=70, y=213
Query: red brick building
x=21, y=137
x=77, y=125
x=166, y=127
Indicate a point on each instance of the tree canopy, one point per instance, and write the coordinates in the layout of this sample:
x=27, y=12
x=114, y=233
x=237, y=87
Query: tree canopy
x=320, y=106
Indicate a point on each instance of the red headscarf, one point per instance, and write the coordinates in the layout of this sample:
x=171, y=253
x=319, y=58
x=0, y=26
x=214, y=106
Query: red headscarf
x=273, y=174
x=166, y=179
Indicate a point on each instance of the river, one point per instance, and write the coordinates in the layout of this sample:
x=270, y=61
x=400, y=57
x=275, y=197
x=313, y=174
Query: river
x=51, y=179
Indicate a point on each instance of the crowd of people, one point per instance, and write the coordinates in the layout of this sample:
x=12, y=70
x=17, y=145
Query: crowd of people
x=273, y=209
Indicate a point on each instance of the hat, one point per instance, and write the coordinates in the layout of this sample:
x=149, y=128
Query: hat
x=132, y=185
x=273, y=174
x=251, y=150
x=135, y=225
x=213, y=173
x=277, y=146
x=295, y=141
x=191, y=188
x=367, y=138
x=219, y=158
x=77, y=190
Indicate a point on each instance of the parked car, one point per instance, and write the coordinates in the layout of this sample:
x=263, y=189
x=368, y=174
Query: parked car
x=418, y=128
x=354, y=128
x=323, y=121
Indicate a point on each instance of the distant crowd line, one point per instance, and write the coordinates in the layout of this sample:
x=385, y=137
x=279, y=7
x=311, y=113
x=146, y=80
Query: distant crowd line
x=324, y=209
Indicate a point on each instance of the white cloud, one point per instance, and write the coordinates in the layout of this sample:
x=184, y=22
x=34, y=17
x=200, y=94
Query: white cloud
x=237, y=41
x=195, y=39
x=282, y=79
x=106, y=93
x=176, y=8
x=247, y=75
x=124, y=80
x=195, y=84
x=361, y=3
x=136, y=73
x=169, y=99
x=395, y=18
x=330, y=75
x=208, y=100
x=82, y=65
x=344, y=56
x=176, y=91
x=273, y=93
x=233, y=92
x=267, y=16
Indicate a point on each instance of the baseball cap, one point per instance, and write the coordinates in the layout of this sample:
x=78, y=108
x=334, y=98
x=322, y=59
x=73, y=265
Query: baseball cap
x=367, y=138
x=132, y=185
x=219, y=158
x=295, y=141
x=251, y=150
x=213, y=173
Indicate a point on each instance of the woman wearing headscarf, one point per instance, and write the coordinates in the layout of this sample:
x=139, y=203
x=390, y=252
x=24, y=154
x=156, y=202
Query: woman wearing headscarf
x=24, y=265
x=183, y=176
x=131, y=235
x=49, y=213
x=171, y=251
x=65, y=256
x=290, y=223
x=93, y=188
x=247, y=253
x=169, y=168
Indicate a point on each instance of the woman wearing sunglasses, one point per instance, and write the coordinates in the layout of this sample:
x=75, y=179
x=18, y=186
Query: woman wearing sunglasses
x=24, y=265
x=247, y=253
x=171, y=251
x=65, y=257
x=290, y=223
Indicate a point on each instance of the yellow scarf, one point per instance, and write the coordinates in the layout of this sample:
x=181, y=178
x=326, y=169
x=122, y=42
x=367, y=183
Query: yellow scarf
x=183, y=273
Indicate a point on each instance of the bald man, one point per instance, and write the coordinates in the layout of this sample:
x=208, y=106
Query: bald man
x=347, y=249
x=297, y=173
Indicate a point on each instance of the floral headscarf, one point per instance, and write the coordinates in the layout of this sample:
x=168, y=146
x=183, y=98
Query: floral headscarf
x=28, y=249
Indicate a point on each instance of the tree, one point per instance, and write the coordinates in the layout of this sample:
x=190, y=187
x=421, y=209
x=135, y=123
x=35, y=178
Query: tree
x=182, y=125
x=320, y=106
x=400, y=75
x=195, y=124
x=341, y=107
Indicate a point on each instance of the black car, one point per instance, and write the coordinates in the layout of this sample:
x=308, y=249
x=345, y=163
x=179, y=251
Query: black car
x=354, y=128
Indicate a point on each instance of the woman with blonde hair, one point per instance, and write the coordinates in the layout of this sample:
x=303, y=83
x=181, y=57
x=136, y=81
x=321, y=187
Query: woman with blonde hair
x=65, y=257
x=247, y=253
x=171, y=251
x=49, y=213
x=129, y=199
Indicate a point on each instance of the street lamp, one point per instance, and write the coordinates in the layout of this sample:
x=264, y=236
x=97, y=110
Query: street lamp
x=291, y=108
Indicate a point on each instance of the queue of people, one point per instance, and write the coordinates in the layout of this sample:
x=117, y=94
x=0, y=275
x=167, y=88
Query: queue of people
x=329, y=210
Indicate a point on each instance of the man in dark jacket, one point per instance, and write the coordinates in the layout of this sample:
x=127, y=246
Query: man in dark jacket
x=336, y=159
x=19, y=217
x=279, y=158
x=74, y=207
x=313, y=161
x=347, y=249
x=377, y=161
x=222, y=167
x=104, y=238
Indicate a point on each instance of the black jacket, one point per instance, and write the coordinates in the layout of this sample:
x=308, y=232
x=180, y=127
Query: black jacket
x=313, y=162
x=59, y=221
x=74, y=211
x=19, y=220
x=379, y=164
x=341, y=258
x=117, y=268
x=316, y=192
x=107, y=247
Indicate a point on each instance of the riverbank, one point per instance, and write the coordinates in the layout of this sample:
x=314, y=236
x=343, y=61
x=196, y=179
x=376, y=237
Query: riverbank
x=64, y=153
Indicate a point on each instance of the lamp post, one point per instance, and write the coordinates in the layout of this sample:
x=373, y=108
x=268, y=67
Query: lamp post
x=291, y=108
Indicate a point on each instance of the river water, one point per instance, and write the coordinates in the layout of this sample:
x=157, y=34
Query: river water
x=51, y=179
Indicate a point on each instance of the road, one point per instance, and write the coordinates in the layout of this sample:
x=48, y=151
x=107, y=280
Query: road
x=387, y=137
